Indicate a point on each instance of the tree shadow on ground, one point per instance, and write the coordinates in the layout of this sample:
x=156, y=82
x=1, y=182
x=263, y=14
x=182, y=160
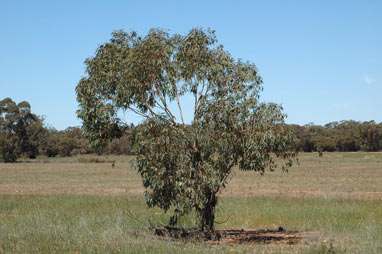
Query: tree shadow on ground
x=233, y=236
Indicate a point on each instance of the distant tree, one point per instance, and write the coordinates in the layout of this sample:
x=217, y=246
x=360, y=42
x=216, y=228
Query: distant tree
x=306, y=144
x=8, y=148
x=21, y=131
x=183, y=166
x=124, y=144
x=345, y=143
x=324, y=143
x=371, y=136
x=121, y=146
x=51, y=144
x=36, y=133
x=65, y=143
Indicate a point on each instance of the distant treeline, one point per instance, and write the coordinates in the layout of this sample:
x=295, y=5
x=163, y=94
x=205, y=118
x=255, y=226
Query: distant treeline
x=343, y=136
x=23, y=133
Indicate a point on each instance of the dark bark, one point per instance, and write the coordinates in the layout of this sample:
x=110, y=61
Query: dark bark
x=207, y=213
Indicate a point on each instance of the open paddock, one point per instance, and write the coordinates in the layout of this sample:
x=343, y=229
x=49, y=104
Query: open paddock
x=61, y=205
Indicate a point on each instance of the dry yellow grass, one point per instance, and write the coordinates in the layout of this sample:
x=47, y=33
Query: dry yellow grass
x=68, y=178
x=349, y=175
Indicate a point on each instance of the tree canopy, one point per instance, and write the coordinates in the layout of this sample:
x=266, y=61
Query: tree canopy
x=183, y=165
x=20, y=130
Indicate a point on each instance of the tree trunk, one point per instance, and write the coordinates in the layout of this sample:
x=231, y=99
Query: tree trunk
x=207, y=214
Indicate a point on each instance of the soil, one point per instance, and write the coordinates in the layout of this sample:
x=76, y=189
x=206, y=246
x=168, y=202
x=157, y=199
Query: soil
x=233, y=236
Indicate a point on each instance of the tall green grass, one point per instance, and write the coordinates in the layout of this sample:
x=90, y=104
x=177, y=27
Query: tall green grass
x=121, y=224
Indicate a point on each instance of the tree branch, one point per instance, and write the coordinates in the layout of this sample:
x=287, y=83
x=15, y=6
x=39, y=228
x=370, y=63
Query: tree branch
x=197, y=99
x=138, y=112
x=151, y=110
x=201, y=91
x=196, y=102
x=177, y=100
x=163, y=100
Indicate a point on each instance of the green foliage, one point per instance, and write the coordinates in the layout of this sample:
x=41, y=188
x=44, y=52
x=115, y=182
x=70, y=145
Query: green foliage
x=344, y=136
x=65, y=143
x=182, y=166
x=51, y=146
x=8, y=148
x=21, y=131
x=325, y=143
x=70, y=142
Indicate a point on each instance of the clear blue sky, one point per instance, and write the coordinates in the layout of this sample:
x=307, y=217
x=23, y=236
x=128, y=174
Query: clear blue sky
x=322, y=60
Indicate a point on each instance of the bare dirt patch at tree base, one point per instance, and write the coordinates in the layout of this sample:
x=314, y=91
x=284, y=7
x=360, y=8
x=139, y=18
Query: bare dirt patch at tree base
x=234, y=236
x=262, y=236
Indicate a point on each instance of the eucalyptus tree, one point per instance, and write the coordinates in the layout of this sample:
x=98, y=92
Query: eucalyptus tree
x=21, y=131
x=183, y=165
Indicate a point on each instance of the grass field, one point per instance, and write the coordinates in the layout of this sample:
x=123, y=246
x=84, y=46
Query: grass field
x=64, y=205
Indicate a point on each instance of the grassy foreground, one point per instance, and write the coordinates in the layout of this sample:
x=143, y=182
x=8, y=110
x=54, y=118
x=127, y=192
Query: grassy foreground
x=72, y=207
